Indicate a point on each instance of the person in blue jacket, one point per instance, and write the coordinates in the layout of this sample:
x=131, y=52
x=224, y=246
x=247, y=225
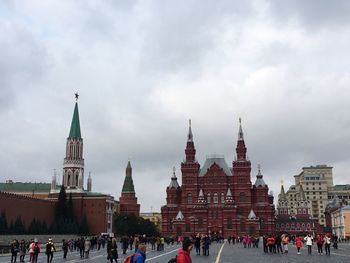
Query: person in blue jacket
x=140, y=255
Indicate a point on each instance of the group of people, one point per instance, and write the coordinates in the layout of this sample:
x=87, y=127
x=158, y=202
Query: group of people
x=33, y=248
x=202, y=242
x=279, y=243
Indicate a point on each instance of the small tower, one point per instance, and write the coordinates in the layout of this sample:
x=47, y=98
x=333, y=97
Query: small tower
x=73, y=165
x=89, y=183
x=283, y=210
x=53, y=182
x=128, y=199
x=173, y=190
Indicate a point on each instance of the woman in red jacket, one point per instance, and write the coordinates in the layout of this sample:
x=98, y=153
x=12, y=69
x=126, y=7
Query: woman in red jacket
x=298, y=243
x=184, y=253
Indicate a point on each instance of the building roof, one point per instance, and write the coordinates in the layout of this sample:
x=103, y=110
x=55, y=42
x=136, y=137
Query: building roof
x=335, y=202
x=347, y=208
x=341, y=187
x=19, y=186
x=173, y=182
x=75, y=125
x=215, y=159
x=259, y=179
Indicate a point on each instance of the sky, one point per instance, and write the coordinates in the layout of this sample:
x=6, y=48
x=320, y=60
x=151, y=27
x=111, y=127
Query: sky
x=144, y=68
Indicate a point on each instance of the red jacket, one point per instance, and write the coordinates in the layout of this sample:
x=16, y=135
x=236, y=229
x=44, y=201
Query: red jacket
x=298, y=242
x=183, y=257
x=270, y=241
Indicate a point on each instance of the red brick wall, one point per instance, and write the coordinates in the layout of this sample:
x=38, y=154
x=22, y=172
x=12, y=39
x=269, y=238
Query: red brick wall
x=27, y=208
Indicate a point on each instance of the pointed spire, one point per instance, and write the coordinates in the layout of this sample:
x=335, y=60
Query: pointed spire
x=89, y=183
x=229, y=198
x=190, y=150
x=282, y=196
x=75, y=125
x=240, y=132
x=128, y=186
x=201, y=198
x=190, y=135
x=53, y=182
x=251, y=215
x=179, y=216
x=173, y=182
x=259, y=178
x=241, y=150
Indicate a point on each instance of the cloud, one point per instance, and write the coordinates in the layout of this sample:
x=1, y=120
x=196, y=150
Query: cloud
x=144, y=68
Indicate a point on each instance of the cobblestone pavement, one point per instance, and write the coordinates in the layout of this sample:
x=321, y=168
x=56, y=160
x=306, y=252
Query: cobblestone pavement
x=229, y=254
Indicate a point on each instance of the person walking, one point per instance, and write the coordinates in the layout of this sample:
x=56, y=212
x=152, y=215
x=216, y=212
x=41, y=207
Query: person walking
x=65, y=248
x=14, y=250
x=298, y=243
x=309, y=240
x=270, y=243
x=22, y=250
x=50, y=248
x=197, y=244
x=319, y=242
x=278, y=242
x=140, y=255
x=327, y=244
x=285, y=241
x=36, y=251
x=114, y=250
x=184, y=253
x=87, y=247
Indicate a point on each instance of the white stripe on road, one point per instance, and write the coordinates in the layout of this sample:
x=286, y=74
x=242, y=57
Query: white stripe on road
x=219, y=254
x=172, y=251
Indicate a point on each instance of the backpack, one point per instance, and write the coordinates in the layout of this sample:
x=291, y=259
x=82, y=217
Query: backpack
x=173, y=260
x=129, y=259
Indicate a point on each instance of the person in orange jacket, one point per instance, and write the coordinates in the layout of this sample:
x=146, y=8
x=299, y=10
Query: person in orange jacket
x=184, y=253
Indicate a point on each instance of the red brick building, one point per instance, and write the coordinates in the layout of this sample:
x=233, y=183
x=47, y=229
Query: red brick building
x=216, y=198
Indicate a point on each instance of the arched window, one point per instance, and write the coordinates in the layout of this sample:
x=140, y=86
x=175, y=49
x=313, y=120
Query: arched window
x=215, y=198
x=222, y=198
x=304, y=211
x=189, y=198
x=241, y=197
x=208, y=198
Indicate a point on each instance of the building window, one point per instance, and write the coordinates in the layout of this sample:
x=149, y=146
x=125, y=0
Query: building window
x=189, y=198
x=215, y=198
x=208, y=198
x=188, y=227
x=229, y=223
x=242, y=227
x=222, y=198
x=241, y=197
x=200, y=222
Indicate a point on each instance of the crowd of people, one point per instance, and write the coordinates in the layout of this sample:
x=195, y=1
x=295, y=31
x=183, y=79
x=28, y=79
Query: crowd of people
x=279, y=243
x=272, y=244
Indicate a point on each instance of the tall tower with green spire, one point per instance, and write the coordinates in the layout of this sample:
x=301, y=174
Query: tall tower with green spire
x=128, y=199
x=73, y=164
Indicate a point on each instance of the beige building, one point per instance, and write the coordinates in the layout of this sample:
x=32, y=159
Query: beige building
x=154, y=217
x=341, y=222
x=317, y=182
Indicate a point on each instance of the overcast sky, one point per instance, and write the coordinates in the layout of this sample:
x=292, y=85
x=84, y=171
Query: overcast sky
x=143, y=68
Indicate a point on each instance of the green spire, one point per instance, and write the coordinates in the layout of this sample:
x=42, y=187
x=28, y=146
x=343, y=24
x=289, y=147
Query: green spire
x=75, y=126
x=128, y=186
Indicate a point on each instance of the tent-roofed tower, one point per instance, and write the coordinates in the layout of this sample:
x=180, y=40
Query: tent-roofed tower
x=73, y=164
x=128, y=199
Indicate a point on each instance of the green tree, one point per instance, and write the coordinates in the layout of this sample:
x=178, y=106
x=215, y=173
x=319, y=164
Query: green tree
x=61, y=205
x=70, y=211
x=18, y=227
x=3, y=224
x=84, y=227
x=130, y=224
